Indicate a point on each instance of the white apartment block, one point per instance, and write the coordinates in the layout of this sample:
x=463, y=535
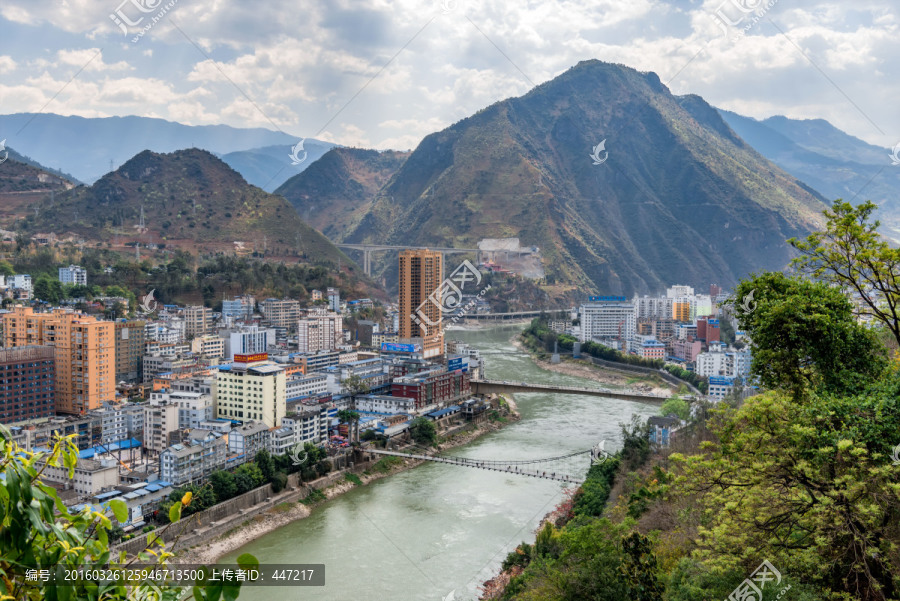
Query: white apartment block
x=180, y=464
x=309, y=424
x=251, y=391
x=652, y=307
x=301, y=386
x=160, y=421
x=385, y=404
x=73, y=274
x=676, y=291
x=247, y=341
x=248, y=440
x=91, y=476
x=607, y=318
x=193, y=407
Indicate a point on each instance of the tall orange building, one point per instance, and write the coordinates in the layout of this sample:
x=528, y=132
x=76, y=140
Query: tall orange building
x=85, y=354
x=421, y=279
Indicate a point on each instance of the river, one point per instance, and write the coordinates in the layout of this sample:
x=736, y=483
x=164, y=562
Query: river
x=423, y=534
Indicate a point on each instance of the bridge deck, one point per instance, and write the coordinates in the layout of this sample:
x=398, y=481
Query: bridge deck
x=500, y=386
x=486, y=465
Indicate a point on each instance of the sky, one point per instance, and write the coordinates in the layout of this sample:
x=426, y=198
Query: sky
x=384, y=74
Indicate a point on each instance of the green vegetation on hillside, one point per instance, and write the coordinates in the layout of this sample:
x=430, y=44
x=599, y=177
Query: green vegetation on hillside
x=800, y=479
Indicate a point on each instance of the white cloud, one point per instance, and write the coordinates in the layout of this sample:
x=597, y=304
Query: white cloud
x=7, y=64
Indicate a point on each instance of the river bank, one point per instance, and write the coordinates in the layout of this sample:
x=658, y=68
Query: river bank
x=601, y=375
x=286, y=512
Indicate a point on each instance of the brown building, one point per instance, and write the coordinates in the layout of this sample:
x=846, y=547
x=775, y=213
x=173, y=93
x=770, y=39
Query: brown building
x=421, y=277
x=197, y=321
x=129, y=350
x=85, y=354
x=26, y=383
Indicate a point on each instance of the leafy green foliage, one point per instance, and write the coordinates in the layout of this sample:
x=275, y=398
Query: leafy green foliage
x=38, y=532
x=423, y=431
x=805, y=336
x=676, y=405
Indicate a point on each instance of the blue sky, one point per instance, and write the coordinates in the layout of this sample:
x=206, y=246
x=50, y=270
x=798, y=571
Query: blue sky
x=384, y=74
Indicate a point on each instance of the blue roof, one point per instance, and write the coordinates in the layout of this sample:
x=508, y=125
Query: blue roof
x=162, y=483
x=153, y=487
x=131, y=443
x=107, y=495
x=443, y=412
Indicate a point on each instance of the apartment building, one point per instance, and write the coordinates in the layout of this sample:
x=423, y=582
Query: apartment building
x=252, y=388
x=27, y=383
x=280, y=313
x=85, y=354
x=183, y=463
x=198, y=321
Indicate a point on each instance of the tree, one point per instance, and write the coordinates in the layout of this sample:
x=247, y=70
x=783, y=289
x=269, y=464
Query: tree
x=852, y=254
x=349, y=417
x=805, y=336
x=355, y=386
x=247, y=477
x=809, y=486
x=423, y=431
x=223, y=485
x=38, y=532
x=678, y=406
x=48, y=289
x=266, y=464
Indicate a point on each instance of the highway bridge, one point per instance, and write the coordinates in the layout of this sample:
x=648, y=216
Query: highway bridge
x=503, y=386
x=368, y=249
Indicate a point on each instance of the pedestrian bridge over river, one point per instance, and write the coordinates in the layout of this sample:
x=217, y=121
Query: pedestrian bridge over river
x=500, y=387
x=559, y=468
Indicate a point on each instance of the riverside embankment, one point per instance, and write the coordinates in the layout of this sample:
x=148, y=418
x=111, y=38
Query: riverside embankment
x=423, y=533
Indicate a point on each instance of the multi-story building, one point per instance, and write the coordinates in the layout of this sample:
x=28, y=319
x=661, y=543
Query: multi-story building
x=334, y=299
x=208, y=345
x=157, y=364
x=249, y=340
x=183, y=463
x=120, y=421
x=364, y=330
x=308, y=422
x=652, y=349
x=652, y=307
x=682, y=308
x=73, y=274
x=251, y=389
x=315, y=295
x=319, y=330
x=160, y=423
x=21, y=281
x=301, y=386
x=27, y=388
x=85, y=357
x=676, y=291
x=172, y=332
x=280, y=313
x=91, y=476
x=707, y=329
x=310, y=362
x=686, y=350
x=607, y=319
x=248, y=439
x=198, y=321
x=129, y=350
x=432, y=387
x=421, y=281
x=385, y=404
x=713, y=364
x=193, y=407
x=241, y=307
x=379, y=338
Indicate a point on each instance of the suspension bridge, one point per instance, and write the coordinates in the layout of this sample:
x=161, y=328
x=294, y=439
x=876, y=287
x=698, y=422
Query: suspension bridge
x=560, y=468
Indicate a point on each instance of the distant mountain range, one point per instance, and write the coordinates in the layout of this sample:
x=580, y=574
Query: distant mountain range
x=85, y=147
x=271, y=166
x=625, y=187
x=834, y=163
